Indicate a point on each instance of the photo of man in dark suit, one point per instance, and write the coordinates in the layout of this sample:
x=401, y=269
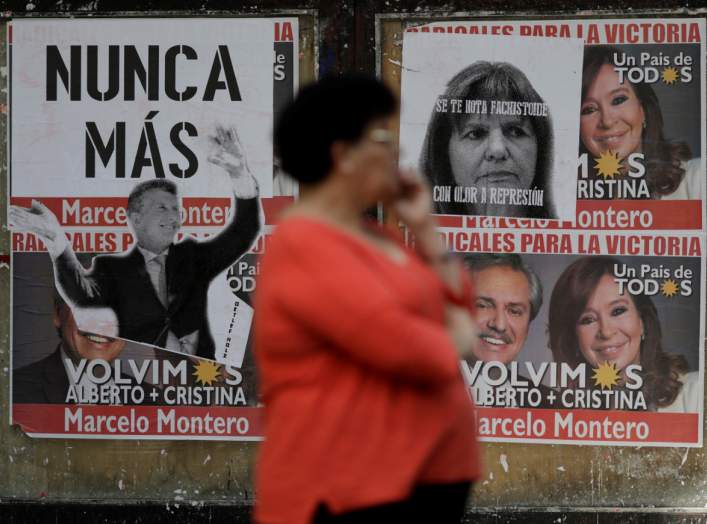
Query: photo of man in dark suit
x=47, y=380
x=158, y=289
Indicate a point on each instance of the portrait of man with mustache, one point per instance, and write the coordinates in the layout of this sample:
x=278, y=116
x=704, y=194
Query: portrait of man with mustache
x=507, y=297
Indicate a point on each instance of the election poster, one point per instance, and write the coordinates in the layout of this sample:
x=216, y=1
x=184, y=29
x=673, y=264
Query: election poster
x=586, y=338
x=485, y=120
x=591, y=326
x=640, y=148
x=142, y=185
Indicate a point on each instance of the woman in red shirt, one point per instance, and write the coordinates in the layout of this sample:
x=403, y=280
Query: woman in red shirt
x=358, y=338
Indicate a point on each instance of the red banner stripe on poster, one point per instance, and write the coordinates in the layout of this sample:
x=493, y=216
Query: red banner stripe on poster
x=648, y=214
x=138, y=421
x=230, y=423
x=588, y=425
x=112, y=211
x=449, y=221
x=608, y=215
x=211, y=211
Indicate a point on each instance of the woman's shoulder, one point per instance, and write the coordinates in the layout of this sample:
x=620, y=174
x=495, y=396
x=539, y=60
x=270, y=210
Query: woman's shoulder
x=305, y=230
x=309, y=243
x=294, y=237
x=690, y=187
x=690, y=395
x=690, y=379
x=292, y=224
x=302, y=230
x=297, y=252
x=692, y=390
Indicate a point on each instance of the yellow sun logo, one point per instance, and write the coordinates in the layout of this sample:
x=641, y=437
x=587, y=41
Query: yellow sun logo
x=608, y=164
x=670, y=75
x=669, y=288
x=606, y=375
x=206, y=372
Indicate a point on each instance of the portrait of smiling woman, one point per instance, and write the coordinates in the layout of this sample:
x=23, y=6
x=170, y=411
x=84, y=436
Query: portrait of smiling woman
x=626, y=118
x=490, y=149
x=592, y=322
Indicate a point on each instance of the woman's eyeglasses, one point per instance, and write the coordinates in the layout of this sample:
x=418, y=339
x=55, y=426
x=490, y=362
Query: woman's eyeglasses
x=382, y=136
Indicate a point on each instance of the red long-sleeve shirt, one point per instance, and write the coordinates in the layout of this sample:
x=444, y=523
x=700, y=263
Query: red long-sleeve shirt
x=360, y=380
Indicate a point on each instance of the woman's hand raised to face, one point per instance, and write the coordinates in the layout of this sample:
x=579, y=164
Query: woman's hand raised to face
x=414, y=209
x=414, y=203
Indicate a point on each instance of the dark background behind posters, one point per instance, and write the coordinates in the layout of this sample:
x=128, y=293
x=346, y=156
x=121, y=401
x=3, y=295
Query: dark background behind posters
x=33, y=333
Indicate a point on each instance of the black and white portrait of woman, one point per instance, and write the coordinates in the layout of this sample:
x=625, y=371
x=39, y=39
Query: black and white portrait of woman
x=483, y=121
x=490, y=149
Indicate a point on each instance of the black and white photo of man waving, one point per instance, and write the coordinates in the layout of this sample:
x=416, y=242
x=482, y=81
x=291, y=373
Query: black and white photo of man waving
x=158, y=288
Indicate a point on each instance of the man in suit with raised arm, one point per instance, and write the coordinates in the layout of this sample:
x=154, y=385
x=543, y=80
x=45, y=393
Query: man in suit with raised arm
x=158, y=289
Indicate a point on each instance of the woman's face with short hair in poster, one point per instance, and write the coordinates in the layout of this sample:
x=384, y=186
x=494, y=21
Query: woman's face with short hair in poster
x=494, y=151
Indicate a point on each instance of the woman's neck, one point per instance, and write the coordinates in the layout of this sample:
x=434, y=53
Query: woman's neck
x=329, y=203
x=345, y=210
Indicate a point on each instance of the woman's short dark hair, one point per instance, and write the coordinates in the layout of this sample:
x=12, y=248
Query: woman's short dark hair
x=569, y=298
x=332, y=109
x=662, y=158
x=486, y=81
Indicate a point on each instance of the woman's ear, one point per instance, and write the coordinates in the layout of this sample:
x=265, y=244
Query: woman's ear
x=341, y=156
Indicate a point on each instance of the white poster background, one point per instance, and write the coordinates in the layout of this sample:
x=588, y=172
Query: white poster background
x=553, y=67
x=234, y=316
x=48, y=137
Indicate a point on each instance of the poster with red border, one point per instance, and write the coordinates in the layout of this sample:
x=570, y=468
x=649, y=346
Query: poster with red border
x=586, y=337
x=592, y=329
x=643, y=170
x=99, y=108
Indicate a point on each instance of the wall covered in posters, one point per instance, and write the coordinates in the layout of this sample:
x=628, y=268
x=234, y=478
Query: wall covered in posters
x=519, y=476
x=147, y=371
x=591, y=320
x=142, y=179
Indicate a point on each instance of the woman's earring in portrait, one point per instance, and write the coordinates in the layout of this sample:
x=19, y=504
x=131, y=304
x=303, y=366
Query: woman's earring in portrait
x=644, y=124
x=643, y=336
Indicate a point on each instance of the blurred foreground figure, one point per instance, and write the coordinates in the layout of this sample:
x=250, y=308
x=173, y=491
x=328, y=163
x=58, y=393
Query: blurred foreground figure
x=358, y=337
